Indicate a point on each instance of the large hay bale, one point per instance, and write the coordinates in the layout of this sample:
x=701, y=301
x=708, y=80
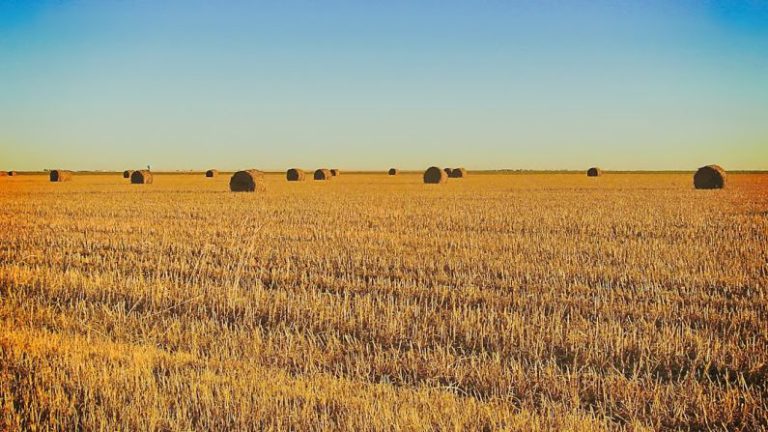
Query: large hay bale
x=335, y=172
x=458, y=173
x=323, y=174
x=434, y=175
x=246, y=181
x=12, y=173
x=393, y=171
x=295, y=174
x=709, y=177
x=60, y=175
x=141, y=177
x=211, y=173
x=127, y=174
x=447, y=171
x=594, y=172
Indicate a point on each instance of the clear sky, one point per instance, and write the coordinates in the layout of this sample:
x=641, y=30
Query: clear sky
x=485, y=84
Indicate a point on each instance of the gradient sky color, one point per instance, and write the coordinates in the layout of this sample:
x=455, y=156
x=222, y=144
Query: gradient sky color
x=368, y=85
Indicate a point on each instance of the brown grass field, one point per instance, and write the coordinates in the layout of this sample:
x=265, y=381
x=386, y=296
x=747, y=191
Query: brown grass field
x=372, y=302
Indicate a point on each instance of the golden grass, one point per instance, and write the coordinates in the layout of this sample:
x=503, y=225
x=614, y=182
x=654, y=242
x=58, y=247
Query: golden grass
x=513, y=302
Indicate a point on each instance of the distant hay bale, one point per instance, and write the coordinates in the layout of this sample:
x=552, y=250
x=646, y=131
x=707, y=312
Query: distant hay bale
x=458, y=173
x=127, y=174
x=323, y=174
x=141, y=177
x=447, y=171
x=60, y=175
x=393, y=171
x=246, y=181
x=211, y=173
x=12, y=173
x=594, y=172
x=434, y=175
x=295, y=174
x=709, y=177
x=335, y=172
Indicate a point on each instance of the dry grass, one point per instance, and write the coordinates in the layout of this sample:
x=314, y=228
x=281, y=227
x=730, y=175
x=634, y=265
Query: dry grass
x=517, y=302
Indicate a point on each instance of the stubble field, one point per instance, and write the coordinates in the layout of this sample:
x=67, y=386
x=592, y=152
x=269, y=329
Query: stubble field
x=369, y=302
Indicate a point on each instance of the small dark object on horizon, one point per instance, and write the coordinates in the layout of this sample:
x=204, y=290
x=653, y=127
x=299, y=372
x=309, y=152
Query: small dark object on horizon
x=594, y=172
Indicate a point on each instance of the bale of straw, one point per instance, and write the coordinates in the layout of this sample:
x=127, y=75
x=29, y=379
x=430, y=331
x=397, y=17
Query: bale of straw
x=295, y=174
x=393, y=171
x=60, y=175
x=141, y=177
x=458, y=173
x=435, y=175
x=594, y=172
x=335, y=172
x=323, y=174
x=246, y=181
x=447, y=171
x=211, y=173
x=12, y=173
x=127, y=174
x=709, y=177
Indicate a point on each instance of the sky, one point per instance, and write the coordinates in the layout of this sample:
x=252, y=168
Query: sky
x=484, y=84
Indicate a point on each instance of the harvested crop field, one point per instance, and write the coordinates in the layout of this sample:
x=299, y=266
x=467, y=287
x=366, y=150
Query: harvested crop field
x=376, y=302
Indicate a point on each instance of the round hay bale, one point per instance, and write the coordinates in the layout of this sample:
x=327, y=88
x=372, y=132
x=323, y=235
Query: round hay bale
x=447, y=171
x=434, y=175
x=323, y=174
x=12, y=173
x=211, y=173
x=594, y=172
x=335, y=172
x=709, y=177
x=127, y=174
x=393, y=171
x=246, y=181
x=295, y=174
x=60, y=175
x=458, y=173
x=141, y=177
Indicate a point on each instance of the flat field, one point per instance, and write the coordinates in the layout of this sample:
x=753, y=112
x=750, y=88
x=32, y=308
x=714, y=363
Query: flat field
x=369, y=302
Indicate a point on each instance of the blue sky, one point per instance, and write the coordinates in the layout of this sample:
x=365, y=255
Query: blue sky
x=369, y=85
